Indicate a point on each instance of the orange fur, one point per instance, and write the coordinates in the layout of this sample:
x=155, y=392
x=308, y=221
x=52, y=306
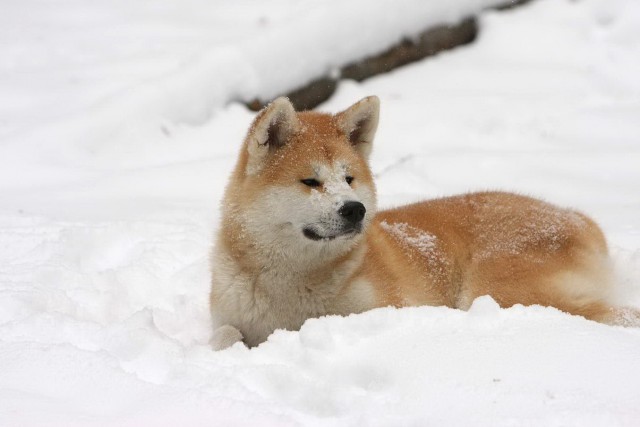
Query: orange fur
x=447, y=251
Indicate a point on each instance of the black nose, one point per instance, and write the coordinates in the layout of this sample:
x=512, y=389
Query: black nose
x=353, y=212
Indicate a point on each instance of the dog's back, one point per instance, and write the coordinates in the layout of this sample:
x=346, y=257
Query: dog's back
x=517, y=249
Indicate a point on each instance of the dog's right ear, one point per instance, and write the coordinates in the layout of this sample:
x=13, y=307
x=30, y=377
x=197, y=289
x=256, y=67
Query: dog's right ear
x=359, y=123
x=271, y=130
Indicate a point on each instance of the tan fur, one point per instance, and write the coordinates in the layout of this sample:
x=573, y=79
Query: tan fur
x=268, y=275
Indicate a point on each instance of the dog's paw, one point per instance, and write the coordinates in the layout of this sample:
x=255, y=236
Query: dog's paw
x=225, y=336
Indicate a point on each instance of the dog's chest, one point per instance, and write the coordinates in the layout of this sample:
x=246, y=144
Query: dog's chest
x=259, y=304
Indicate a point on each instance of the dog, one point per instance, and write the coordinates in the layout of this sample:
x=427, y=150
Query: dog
x=300, y=237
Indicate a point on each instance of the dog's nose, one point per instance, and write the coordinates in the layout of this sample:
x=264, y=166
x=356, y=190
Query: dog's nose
x=352, y=212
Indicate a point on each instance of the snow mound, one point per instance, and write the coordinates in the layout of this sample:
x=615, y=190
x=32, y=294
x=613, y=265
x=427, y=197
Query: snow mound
x=387, y=366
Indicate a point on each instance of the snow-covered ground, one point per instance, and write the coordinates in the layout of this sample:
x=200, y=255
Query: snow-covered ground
x=113, y=157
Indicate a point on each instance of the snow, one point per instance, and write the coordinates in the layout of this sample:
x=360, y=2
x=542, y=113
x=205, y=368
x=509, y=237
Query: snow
x=174, y=62
x=411, y=237
x=116, y=140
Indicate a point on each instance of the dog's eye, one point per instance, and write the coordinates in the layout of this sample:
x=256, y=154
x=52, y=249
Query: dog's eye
x=349, y=179
x=310, y=182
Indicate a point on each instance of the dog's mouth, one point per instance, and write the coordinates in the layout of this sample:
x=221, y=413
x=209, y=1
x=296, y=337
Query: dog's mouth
x=311, y=234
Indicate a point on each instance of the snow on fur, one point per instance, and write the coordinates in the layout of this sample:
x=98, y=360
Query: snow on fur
x=109, y=201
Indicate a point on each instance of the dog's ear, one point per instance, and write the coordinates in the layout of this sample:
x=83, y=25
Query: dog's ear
x=359, y=123
x=271, y=130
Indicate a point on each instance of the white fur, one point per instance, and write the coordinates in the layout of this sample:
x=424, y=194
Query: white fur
x=278, y=297
x=276, y=219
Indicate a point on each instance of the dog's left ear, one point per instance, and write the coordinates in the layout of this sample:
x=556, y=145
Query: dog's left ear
x=359, y=123
x=270, y=131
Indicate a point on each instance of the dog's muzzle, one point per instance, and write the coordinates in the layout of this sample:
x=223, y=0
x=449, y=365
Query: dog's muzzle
x=352, y=214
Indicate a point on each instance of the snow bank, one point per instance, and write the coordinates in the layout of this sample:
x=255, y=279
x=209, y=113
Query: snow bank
x=104, y=238
x=427, y=365
x=139, y=66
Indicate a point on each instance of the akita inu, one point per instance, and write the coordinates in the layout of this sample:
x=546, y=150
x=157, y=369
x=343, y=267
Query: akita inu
x=300, y=237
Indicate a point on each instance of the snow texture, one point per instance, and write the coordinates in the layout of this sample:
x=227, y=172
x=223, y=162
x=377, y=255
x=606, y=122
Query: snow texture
x=117, y=138
x=412, y=237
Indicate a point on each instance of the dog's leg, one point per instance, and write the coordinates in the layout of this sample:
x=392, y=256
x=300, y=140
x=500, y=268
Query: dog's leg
x=225, y=336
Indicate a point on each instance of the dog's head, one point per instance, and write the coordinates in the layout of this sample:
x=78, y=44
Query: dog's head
x=303, y=181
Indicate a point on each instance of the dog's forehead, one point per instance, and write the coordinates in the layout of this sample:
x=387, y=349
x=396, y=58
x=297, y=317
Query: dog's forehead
x=319, y=141
x=320, y=124
x=334, y=170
